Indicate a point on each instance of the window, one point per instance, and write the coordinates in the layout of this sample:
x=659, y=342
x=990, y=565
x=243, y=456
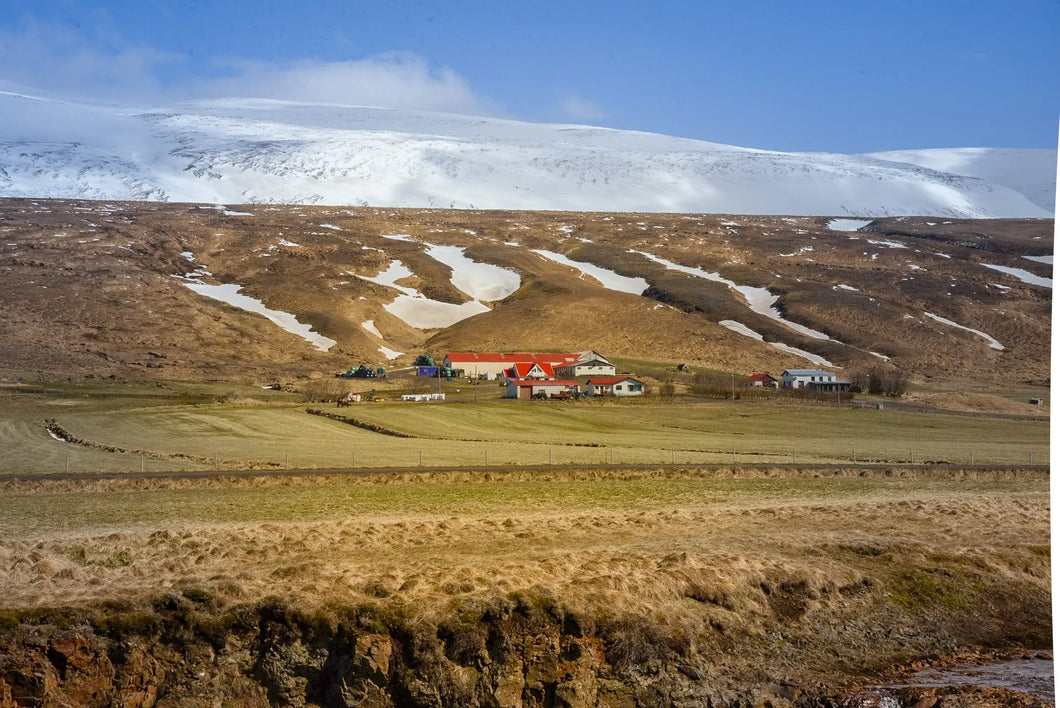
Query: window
x=618, y=387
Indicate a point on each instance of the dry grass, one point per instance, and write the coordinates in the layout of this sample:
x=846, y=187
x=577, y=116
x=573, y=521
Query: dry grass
x=660, y=543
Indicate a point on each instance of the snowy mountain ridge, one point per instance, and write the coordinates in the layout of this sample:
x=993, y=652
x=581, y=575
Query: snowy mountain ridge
x=264, y=151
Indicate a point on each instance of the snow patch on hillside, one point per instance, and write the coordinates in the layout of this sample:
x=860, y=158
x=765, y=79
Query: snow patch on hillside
x=847, y=224
x=229, y=293
x=417, y=310
x=760, y=300
x=480, y=281
x=746, y=331
x=608, y=278
x=994, y=344
x=1025, y=275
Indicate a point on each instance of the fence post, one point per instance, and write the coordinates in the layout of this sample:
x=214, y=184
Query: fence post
x=793, y=456
x=67, y=463
x=141, y=464
x=421, y=458
x=286, y=461
x=353, y=459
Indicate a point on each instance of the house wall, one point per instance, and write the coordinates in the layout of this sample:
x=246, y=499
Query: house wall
x=628, y=388
x=479, y=369
x=804, y=381
x=587, y=369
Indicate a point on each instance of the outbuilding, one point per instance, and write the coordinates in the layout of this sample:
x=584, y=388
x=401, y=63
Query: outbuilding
x=525, y=389
x=617, y=386
x=761, y=381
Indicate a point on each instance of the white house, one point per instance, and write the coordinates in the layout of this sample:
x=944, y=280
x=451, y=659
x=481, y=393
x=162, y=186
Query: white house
x=589, y=364
x=812, y=379
x=618, y=386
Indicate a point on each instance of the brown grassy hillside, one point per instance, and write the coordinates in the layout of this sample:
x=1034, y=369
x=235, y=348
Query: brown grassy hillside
x=88, y=288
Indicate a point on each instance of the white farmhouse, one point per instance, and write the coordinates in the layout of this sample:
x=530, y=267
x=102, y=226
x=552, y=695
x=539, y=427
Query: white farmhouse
x=815, y=379
x=589, y=363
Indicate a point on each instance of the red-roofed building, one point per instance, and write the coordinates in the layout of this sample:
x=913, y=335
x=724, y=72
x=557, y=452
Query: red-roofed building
x=525, y=389
x=761, y=381
x=618, y=386
x=489, y=365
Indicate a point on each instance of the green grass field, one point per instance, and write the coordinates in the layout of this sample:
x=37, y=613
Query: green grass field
x=188, y=427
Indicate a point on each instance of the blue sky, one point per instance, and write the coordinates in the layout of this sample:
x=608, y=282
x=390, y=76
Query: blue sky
x=840, y=76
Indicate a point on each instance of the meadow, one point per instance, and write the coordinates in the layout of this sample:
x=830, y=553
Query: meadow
x=123, y=428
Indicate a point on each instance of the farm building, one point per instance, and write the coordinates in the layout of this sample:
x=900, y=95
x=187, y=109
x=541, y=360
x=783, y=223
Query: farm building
x=589, y=364
x=812, y=379
x=525, y=389
x=617, y=386
x=761, y=381
x=488, y=365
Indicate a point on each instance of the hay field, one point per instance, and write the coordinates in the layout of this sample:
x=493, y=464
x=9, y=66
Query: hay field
x=892, y=559
x=201, y=428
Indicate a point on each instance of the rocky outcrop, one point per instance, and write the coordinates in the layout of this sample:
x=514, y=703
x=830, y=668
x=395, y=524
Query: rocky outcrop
x=514, y=652
x=511, y=654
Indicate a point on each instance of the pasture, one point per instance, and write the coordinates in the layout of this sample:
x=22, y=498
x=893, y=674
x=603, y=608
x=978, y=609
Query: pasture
x=120, y=428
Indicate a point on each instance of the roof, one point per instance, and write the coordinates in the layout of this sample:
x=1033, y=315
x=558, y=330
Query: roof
x=808, y=372
x=496, y=358
x=522, y=368
x=759, y=377
x=540, y=382
x=593, y=360
x=611, y=382
x=592, y=354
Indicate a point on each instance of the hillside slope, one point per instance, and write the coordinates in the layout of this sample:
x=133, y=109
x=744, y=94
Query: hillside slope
x=144, y=290
x=257, y=151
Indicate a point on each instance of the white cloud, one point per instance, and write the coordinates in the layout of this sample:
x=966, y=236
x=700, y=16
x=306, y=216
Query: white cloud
x=389, y=81
x=579, y=108
x=60, y=60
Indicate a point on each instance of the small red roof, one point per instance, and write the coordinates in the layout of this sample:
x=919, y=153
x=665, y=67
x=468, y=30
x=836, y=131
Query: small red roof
x=611, y=382
x=760, y=377
x=543, y=382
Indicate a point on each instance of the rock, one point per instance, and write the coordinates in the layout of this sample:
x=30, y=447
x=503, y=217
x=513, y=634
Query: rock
x=371, y=658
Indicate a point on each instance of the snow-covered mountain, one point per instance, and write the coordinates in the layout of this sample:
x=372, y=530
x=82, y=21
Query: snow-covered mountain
x=1032, y=172
x=245, y=151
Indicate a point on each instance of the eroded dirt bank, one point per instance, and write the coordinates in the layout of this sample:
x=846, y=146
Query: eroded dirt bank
x=520, y=650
